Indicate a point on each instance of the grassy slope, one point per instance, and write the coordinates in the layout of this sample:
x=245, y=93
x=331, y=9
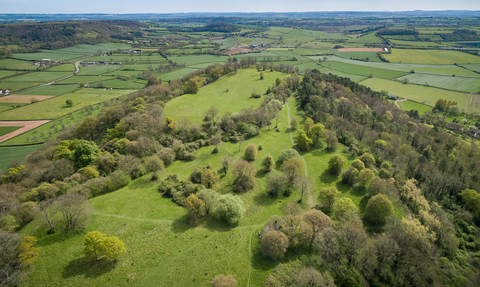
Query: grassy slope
x=362, y=70
x=10, y=153
x=161, y=249
x=418, y=93
x=39, y=77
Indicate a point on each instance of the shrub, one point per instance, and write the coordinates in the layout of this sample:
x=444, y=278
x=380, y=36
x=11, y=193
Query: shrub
x=244, y=173
x=209, y=179
x=167, y=155
x=317, y=219
x=293, y=169
x=98, y=245
x=9, y=223
x=27, y=212
x=358, y=164
x=274, y=244
x=336, y=163
x=288, y=154
x=365, y=177
x=276, y=183
x=268, y=163
x=224, y=281
x=327, y=196
x=90, y=172
x=251, y=152
x=228, y=208
x=350, y=175
x=344, y=205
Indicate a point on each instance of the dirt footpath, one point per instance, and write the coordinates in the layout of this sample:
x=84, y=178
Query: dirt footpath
x=27, y=125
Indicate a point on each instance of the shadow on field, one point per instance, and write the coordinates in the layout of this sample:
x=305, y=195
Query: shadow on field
x=181, y=225
x=327, y=177
x=82, y=266
x=263, y=199
x=48, y=239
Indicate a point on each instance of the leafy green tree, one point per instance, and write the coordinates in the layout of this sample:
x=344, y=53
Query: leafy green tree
x=332, y=141
x=365, y=177
x=316, y=132
x=27, y=254
x=85, y=153
x=90, y=172
x=114, y=247
x=471, y=199
x=294, y=124
x=344, y=205
x=27, y=212
x=288, y=154
x=153, y=80
x=293, y=169
x=350, y=175
x=317, y=219
x=87, y=127
x=309, y=276
x=368, y=160
x=358, y=164
x=98, y=245
x=69, y=103
x=9, y=223
x=268, y=163
x=308, y=124
x=378, y=209
x=196, y=208
x=209, y=179
x=274, y=244
x=209, y=197
x=303, y=141
x=336, y=163
x=328, y=196
x=251, y=152
x=228, y=208
x=276, y=183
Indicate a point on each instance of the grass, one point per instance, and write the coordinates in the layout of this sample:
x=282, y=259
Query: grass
x=362, y=70
x=98, y=70
x=121, y=84
x=39, y=77
x=51, y=90
x=193, y=60
x=176, y=74
x=13, y=64
x=11, y=153
x=409, y=105
x=431, y=57
x=85, y=79
x=461, y=84
x=372, y=56
x=7, y=130
x=62, y=68
x=14, y=86
x=56, y=107
x=5, y=73
x=425, y=95
x=76, y=51
x=237, y=98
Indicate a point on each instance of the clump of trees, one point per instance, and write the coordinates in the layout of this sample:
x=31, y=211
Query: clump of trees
x=97, y=246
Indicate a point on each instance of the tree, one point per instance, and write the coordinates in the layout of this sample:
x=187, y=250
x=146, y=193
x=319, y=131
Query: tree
x=244, y=173
x=74, y=209
x=292, y=168
x=350, y=175
x=303, y=141
x=368, y=160
x=310, y=277
x=224, y=281
x=327, y=196
x=11, y=271
x=471, y=199
x=195, y=207
x=209, y=179
x=276, y=183
x=9, y=223
x=274, y=244
x=69, y=102
x=344, y=205
x=294, y=124
x=98, y=245
x=225, y=161
x=288, y=154
x=304, y=185
x=308, y=124
x=358, y=164
x=85, y=153
x=251, y=152
x=153, y=80
x=316, y=132
x=332, y=141
x=378, y=209
x=87, y=127
x=27, y=254
x=228, y=208
x=209, y=197
x=336, y=163
x=317, y=219
x=27, y=212
x=365, y=177
x=268, y=163
x=412, y=196
x=90, y=172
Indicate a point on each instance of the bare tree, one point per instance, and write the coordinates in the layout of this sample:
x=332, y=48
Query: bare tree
x=304, y=185
x=74, y=210
x=11, y=270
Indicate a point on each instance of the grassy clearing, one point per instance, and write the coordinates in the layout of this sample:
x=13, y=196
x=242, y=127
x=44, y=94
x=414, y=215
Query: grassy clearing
x=13, y=64
x=238, y=97
x=431, y=57
x=62, y=68
x=56, y=107
x=409, y=105
x=11, y=153
x=39, y=77
x=4, y=73
x=461, y=84
x=362, y=70
x=425, y=95
x=51, y=90
x=7, y=130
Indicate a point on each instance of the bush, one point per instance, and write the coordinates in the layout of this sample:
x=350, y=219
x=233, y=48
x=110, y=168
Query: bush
x=98, y=245
x=224, y=281
x=251, y=152
x=244, y=173
x=274, y=244
x=90, y=172
x=154, y=163
x=9, y=223
x=167, y=155
x=336, y=163
x=27, y=212
x=379, y=207
x=228, y=208
x=358, y=164
x=328, y=196
x=365, y=177
x=276, y=183
x=317, y=219
x=350, y=175
x=288, y=154
x=268, y=163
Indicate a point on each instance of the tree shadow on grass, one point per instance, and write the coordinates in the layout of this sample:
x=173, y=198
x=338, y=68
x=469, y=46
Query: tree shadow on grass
x=261, y=173
x=83, y=267
x=328, y=177
x=181, y=225
x=49, y=239
x=264, y=199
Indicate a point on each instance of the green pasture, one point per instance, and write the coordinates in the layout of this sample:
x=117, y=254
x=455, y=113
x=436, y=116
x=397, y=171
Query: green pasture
x=7, y=130
x=52, y=129
x=366, y=39
x=461, y=84
x=8, y=106
x=372, y=56
x=98, y=70
x=123, y=73
x=227, y=42
x=11, y=153
x=127, y=58
x=62, y=68
x=38, y=77
x=417, y=43
x=238, y=97
x=56, y=107
x=76, y=51
x=193, y=60
x=355, y=78
x=50, y=90
x=312, y=52
x=431, y=57
x=5, y=73
x=409, y=105
x=121, y=84
x=14, y=64
x=362, y=70
x=14, y=86
x=473, y=67
x=176, y=74
x=420, y=94
x=85, y=79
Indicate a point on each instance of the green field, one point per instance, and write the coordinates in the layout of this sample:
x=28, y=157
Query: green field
x=11, y=153
x=176, y=74
x=85, y=79
x=473, y=67
x=14, y=86
x=372, y=56
x=121, y=84
x=461, y=84
x=7, y=130
x=362, y=70
x=13, y=64
x=193, y=60
x=5, y=73
x=237, y=98
x=425, y=95
x=62, y=68
x=409, y=105
x=98, y=70
x=51, y=90
x=310, y=51
x=431, y=57
x=76, y=51
x=39, y=77
x=56, y=107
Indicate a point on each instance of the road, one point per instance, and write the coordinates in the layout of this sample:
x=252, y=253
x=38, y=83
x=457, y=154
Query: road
x=398, y=101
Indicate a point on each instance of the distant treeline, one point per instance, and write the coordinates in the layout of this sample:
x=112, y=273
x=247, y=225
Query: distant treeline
x=384, y=32
x=461, y=35
x=57, y=35
x=212, y=27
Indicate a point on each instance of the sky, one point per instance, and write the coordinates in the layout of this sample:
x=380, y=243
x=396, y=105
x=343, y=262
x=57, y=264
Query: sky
x=175, y=6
